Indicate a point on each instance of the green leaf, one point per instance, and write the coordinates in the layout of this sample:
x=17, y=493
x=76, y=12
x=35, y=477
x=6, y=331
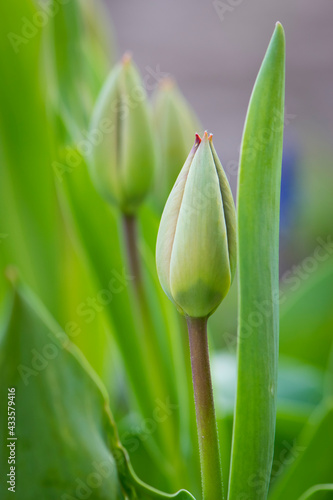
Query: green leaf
x=29, y=218
x=67, y=443
x=76, y=53
x=312, y=458
x=318, y=492
x=258, y=239
x=299, y=392
x=32, y=235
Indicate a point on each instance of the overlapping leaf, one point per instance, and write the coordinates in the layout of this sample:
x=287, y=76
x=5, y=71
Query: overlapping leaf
x=67, y=443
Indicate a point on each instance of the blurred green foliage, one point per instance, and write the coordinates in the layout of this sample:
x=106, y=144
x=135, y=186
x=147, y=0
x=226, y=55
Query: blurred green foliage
x=67, y=245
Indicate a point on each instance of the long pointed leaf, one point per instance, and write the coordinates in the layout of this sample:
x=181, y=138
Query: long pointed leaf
x=28, y=207
x=258, y=223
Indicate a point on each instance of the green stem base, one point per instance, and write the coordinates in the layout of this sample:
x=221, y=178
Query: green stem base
x=211, y=474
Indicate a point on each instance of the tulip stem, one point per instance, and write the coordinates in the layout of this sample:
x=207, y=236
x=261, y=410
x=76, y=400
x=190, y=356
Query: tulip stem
x=131, y=237
x=129, y=223
x=211, y=474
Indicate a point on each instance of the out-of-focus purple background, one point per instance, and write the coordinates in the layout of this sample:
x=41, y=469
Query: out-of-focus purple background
x=214, y=50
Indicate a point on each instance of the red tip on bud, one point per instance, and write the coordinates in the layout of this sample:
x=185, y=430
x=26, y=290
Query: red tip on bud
x=207, y=137
x=197, y=139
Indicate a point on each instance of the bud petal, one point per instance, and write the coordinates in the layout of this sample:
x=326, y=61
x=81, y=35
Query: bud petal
x=122, y=163
x=175, y=124
x=196, y=243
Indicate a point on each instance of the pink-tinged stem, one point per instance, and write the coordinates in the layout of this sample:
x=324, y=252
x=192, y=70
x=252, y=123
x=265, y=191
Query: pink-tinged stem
x=211, y=474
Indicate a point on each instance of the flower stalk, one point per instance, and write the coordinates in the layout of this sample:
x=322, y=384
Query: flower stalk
x=130, y=235
x=211, y=472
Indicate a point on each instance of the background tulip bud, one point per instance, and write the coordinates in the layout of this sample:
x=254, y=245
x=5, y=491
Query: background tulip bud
x=122, y=160
x=196, y=242
x=175, y=124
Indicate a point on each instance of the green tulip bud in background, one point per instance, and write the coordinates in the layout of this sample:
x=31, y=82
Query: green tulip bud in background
x=123, y=156
x=196, y=243
x=175, y=124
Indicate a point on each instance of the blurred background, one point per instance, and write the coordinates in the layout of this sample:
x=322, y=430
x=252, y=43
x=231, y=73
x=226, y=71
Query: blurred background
x=214, y=50
x=67, y=243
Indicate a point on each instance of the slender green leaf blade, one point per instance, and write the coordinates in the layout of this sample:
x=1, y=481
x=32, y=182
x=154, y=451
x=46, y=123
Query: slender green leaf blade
x=29, y=218
x=76, y=53
x=258, y=223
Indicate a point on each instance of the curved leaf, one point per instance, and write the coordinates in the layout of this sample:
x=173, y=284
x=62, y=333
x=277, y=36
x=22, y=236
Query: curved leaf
x=67, y=443
x=318, y=492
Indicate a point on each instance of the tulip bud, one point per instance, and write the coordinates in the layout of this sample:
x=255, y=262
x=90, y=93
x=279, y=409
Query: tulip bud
x=122, y=160
x=175, y=124
x=196, y=242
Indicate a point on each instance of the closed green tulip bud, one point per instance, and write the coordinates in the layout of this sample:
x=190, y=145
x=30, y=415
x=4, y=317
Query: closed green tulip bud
x=123, y=155
x=175, y=124
x=196, y=242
